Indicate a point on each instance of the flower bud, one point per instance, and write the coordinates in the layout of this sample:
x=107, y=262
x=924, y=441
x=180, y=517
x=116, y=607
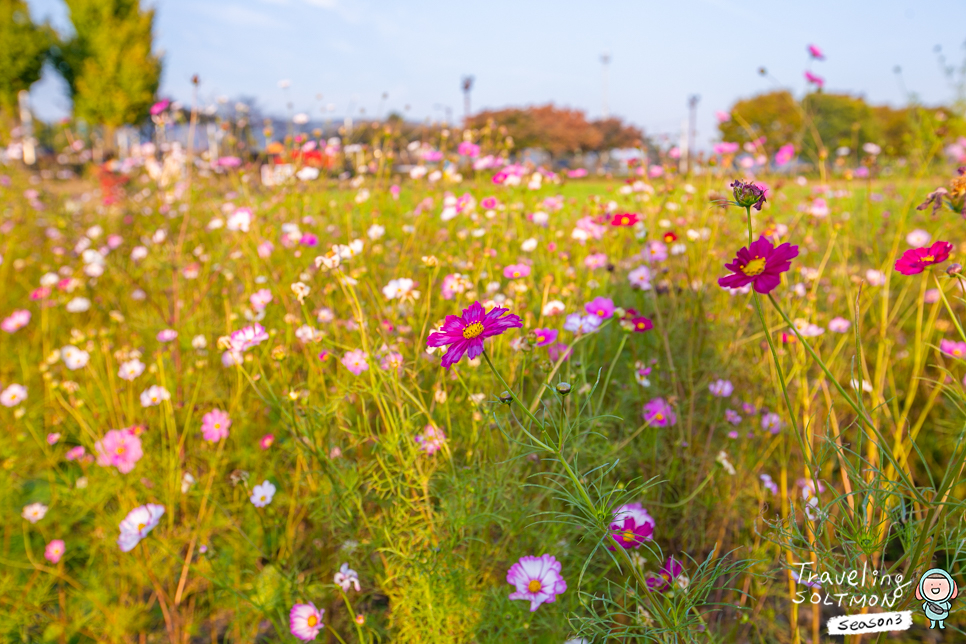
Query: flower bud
x=954, y=269
x=506, y=398
x=563, y=388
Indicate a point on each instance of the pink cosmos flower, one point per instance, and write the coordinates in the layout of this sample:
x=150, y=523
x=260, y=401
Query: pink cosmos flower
x=355, y=361
x=839, y=325
x=15, y=321
x=557, y=351
x=167, y=335
x=468, y=149
x=54, y=551
x=516, y=271
x=725, y=147
x=265, y=249
x=655, y=251
x=543, y=337
x=260, y=299
x=632, y=526
x=431, y=440
x=581, y=324
x=305, y=621
x=154, y=395
x=13, y=395
x=602, y=307
x=465, y=334
x=392, y=361
x=721, y=388
x=722, y=117
x=952, y=348
x=137, y=524
x=659, y=413
x=813, y=78
x=595, y=261
x=785, y=154
x=761, y=265
x=119, y=448
x=537, y=580
x=915, y=260
x=52, y=438
x=266, y=441
x=394, y=191
x=815, y=52
x=159, y=107
x=248, y=337
x=489, y=203
x=74, y=453
x=771, y=422
x=732, y=417
x=214, y=425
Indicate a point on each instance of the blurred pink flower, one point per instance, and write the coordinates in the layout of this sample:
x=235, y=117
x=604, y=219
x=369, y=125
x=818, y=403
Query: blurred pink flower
x=15, y=321
x=214, y=425
x=54, y=551
x=355, y=361
x=119, y=448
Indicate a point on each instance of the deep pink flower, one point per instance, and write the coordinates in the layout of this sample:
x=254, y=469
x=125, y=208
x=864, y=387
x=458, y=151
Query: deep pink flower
x=167, y=335
x=214, y=425
x=624, y=219
x=668, y=574
x=537, y=580
x=119, y=448
x=159, y=107
x=640, y=324
x=785, y=154
x=468, y=149
x=659, y=413
x=489, y=203
x=761, y=265
x=266, y=441
x=465, y=334
x=15, y=321
x=543, y=337
x=815, y=52
x=54, y=551
x=74, y=453
x=516, y=271
x=952, y=348
x=602, y=307
x=632, y=526
x=812, y=78
x=557, y=351
x=915, y=260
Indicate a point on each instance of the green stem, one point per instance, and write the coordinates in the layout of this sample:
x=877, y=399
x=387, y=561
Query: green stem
x=778, y=366
x=610, y=371
x=751, y=235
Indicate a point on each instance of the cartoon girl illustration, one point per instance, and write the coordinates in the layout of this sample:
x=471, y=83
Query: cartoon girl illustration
x=937, y=590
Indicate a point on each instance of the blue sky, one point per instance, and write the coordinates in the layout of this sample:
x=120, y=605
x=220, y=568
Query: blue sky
x=534, y=51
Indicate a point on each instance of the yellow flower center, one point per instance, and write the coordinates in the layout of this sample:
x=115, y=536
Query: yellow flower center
x=540, y=338
x=625, y=221
x=659, y=416
x=262, y=498
x=516, y=273
x=217, y=425
x=754, y=267
x=473, y=330
x=154, y=399
x=312, y=621
x=628, y=536
x=141, y=526
x=534, y=586
x=928, y=258
x=119, y=450
x=641, y=325
x=600, y=313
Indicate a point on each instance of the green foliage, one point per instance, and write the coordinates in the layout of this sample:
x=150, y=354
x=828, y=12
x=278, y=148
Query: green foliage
x=23, y=51
x=108, y=63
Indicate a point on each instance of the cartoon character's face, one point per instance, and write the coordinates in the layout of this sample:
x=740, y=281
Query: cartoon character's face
x=936, y=588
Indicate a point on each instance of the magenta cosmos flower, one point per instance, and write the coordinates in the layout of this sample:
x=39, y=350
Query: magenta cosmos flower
x=119, y=448
x=543, y=337
x=632, y=526
x=671, y=572
x=431, y=440
x=537, y=579
x=760, y=265
x=659, y=413
x=214, y=425
x=952, y=348
x=305, y=621
x=602, y=307
x=465, y=334
x=915, y=260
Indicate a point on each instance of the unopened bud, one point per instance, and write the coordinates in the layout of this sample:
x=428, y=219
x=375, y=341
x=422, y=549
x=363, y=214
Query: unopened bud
x=954, y=269
x=563, y=388
x=506, y=398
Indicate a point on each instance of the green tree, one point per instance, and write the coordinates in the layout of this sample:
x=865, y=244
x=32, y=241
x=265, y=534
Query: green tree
x=24, y=49
x=108, y=64
x=775, y=115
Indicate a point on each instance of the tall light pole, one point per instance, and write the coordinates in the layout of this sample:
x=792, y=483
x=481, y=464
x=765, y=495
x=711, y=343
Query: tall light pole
x=467, y=84
x=693, y=109
x=605, y=61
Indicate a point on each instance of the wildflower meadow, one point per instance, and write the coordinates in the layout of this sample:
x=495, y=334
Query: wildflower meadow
x=394, y=382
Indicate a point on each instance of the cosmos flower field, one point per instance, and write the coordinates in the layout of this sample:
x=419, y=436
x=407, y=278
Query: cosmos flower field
x=474, y=402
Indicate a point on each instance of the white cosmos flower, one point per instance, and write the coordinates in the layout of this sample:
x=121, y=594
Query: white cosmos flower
x=153, y=396
x=397, y=288
x=130, y=370
x=74, y=358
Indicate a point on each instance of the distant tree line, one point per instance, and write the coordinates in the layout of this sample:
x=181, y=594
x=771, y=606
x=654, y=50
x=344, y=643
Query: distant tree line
x=821, y=123
x=111, y=71
x=558, y=130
